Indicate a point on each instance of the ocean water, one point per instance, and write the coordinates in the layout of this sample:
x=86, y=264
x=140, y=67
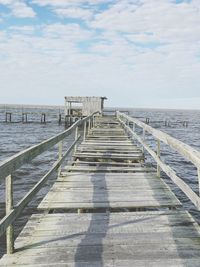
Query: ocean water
x=17, y=136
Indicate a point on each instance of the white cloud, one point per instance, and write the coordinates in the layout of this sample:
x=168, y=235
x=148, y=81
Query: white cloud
x=27, y=29
x=6, y=2
x=19, y=8
x=74, y=12
x=73, y=32
x=66, y=3
x=164, y=19
x=144, y=51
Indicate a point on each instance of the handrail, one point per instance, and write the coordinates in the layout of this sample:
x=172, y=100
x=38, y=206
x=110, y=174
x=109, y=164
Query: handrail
x=13, y=163
x=183, y=149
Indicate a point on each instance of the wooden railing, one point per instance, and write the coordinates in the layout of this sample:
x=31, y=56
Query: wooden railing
x=183, y=149
x=13, y=163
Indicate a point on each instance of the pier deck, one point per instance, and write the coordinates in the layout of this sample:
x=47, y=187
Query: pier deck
x=127, y=215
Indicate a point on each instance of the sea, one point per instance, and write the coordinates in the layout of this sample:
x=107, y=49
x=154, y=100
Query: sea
x=17, y=136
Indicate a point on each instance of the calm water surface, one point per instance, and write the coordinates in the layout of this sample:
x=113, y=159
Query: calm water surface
x=15, y=137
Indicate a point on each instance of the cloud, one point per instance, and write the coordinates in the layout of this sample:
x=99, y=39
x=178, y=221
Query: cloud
x=19, y=9
x=164, y=19
x=74, y=13
x=128, y=50
x=73, y=32
x=66, y=3
x=26, y=29
x=76, y=9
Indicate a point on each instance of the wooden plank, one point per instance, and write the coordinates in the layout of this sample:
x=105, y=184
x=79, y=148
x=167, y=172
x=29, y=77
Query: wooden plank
x=90, y=191
x=107, y=163
x=108, y=169
x=122, y=156
x=113, y=239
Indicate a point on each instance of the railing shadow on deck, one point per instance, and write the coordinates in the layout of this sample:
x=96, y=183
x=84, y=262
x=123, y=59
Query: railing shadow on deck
x=94, y=252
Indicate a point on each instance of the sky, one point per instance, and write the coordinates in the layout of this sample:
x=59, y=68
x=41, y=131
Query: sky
x=137, y=53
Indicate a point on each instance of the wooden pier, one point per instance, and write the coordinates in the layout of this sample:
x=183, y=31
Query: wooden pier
x=107, y=207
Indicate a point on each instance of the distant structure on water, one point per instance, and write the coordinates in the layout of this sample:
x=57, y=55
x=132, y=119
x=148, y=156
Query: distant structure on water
x=77, y=107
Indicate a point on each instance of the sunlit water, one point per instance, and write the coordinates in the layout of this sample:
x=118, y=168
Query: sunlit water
x=18, y=136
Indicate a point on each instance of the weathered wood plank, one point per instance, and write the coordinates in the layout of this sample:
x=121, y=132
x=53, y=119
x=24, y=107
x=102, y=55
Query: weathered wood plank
x=108, y=239
x=108, y=169
x=117, y=190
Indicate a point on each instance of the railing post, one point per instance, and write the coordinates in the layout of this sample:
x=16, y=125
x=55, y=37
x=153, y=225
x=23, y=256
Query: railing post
x=198, y=171
x=60, y=148
x=133, y=126
x=76, y=136
x=143, y=138
x=158, y=154
x=84, y=131
x=93, y=119
x=89, y=125
x=116, y=114
x=9, y=207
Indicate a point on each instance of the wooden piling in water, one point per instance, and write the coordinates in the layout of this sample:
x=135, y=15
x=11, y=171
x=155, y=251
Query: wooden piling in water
x=43, y=118
x=8, y=117
x=24, y=117
x=60, y=118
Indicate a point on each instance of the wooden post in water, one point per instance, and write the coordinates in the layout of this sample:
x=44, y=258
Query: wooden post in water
x=60, y=148
x=24, y=117
x=8, y=117
x=43, y=118
x=9, y=207
x=60, y=118
x=158, y=154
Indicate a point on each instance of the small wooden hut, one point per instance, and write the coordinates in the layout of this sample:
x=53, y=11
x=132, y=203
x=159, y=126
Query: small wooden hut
x=78, y=107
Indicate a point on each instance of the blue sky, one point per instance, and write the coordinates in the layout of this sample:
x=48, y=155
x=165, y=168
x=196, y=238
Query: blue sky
x=138, y=53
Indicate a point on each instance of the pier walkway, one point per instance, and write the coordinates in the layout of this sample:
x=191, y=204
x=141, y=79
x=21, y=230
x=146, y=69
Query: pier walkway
x=108, y=207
